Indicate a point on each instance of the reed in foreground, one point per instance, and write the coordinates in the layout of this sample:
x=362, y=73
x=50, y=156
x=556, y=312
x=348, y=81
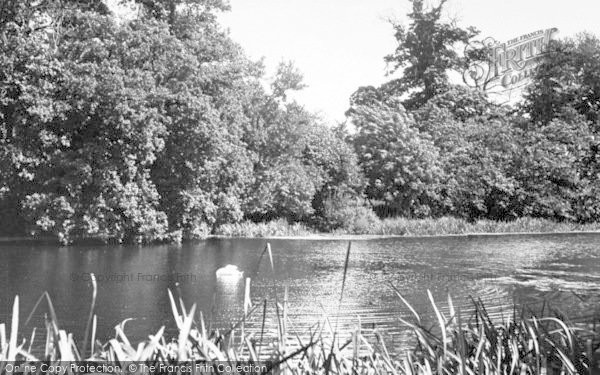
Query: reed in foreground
x=456, y=345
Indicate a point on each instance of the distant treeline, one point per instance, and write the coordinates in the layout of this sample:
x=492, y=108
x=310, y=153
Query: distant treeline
x=160, y=128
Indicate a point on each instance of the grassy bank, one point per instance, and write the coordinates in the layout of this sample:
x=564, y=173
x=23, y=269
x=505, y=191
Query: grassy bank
x=366, y=227
x=449, y=225
x=269, y=229
x=406, y=227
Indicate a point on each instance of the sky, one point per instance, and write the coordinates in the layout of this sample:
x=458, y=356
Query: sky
x=339, y=45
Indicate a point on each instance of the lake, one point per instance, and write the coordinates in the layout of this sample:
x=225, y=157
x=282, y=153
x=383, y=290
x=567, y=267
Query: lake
x=133, y=281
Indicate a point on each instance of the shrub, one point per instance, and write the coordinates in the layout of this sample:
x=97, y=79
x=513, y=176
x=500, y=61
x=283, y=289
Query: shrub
x=268, y=229
x=351, y=216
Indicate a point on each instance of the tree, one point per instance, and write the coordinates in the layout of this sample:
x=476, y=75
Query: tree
x=566, y=91
x=549, y=167
x=479, y=183
x=299, y=161
x=568, y=78
x=427, y=50
x=300, y=164
x=151, y=129
x=124, y=131
x=206, y=168
x=90, y=130
x=456, y=153
x=170, y=11
x=476, y=143
x=400, y=163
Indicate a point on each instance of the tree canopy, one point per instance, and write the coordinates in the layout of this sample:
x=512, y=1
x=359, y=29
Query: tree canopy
x=426, y=52
x=150, y=129
x=444, y=149
x=161, y=128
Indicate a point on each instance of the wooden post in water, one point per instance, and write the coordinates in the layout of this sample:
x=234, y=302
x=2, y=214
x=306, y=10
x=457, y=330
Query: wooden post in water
x=284, y=327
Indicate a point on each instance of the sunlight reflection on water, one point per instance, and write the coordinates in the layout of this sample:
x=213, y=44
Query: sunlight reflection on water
x=499, y=270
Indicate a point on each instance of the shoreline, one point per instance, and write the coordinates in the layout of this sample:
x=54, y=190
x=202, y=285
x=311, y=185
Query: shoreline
x=322, y=237
x=368, y=237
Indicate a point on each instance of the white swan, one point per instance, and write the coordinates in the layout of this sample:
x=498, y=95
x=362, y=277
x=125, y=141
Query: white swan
x=229, y=271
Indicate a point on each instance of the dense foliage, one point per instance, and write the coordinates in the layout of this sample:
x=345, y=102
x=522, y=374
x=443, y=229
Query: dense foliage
x=160, y=128
x=432, y=148
x=150, y=129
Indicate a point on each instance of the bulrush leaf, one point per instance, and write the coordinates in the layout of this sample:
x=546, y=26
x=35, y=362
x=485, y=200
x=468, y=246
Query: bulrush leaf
x=126, y=345
x=154, y=343
x=3, y=346
x=441, y=322
x=565, y=329
x=64, y=347
x=176, y=315
x=270, y=257
x=53, y=318
x=406, y=303
x=14, y=329
x=184, y=332
x=118, y=351
x=91, y=315
x=93, y=339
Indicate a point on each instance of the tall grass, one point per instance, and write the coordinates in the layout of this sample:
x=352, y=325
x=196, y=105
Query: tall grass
x=458, y=343
x=269, y=229
x=450, y=225
x=534, y=345
x=406, y=227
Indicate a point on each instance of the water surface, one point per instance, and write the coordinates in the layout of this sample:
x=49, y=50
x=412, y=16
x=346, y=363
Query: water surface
x=133, y=281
